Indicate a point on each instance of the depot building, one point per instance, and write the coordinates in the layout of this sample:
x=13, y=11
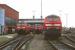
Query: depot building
x=8, y=18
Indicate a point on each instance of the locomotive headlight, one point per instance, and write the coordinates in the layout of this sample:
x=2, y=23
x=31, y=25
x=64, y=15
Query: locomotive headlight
x=52, y=24
x=57, y=24
x=23, y=27
x=18, y=27
x=48, y=24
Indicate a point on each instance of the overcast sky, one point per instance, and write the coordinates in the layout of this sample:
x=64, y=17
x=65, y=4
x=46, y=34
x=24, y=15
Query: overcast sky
x=62, y=8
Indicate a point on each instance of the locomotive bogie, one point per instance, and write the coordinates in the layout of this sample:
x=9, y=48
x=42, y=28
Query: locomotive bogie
x=52, y=34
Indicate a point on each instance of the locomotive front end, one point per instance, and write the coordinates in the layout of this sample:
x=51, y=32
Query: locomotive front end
x=53, y=27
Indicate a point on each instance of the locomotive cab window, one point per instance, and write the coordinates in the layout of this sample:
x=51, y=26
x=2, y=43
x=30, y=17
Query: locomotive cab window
x=53, y=19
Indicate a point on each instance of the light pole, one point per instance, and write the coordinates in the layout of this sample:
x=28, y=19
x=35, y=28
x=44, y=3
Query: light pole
x=66, y=20
x=66, y=15
x=41, y=10
x=34, y=14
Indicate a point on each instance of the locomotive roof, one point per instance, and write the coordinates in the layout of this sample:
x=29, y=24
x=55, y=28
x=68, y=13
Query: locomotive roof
x=52, y=16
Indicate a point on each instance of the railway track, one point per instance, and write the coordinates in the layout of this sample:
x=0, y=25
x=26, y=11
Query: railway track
x=68, y=41
x=16, y=43
x=72, y=38
x=58, y=45
x=21, y=43
x=9, y=42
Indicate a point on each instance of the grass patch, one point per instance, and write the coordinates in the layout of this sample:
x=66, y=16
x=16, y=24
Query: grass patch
x=4, y=39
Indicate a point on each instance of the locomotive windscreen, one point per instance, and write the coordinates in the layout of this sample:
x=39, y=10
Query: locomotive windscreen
x=52, y=18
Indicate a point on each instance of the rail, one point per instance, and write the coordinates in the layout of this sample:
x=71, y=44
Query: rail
x=18, y=41
x=58, y=45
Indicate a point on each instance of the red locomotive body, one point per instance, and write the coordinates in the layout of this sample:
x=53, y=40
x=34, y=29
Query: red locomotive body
x=38, y=29
x=53, y=26
x=23, y=29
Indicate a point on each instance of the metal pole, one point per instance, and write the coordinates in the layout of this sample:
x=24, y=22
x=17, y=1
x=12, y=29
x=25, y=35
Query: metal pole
x=33, y=14
x=66, y=15
x=66, y=20
x=41, y=9
x=1, y=29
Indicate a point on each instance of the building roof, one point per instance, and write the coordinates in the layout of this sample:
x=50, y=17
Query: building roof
x=31, y=20
x=10, y=12
x=5, y=5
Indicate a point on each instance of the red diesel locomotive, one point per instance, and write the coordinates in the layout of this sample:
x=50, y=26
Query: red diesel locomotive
x=38, y=29
x=23, y=29
x=52, y=26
